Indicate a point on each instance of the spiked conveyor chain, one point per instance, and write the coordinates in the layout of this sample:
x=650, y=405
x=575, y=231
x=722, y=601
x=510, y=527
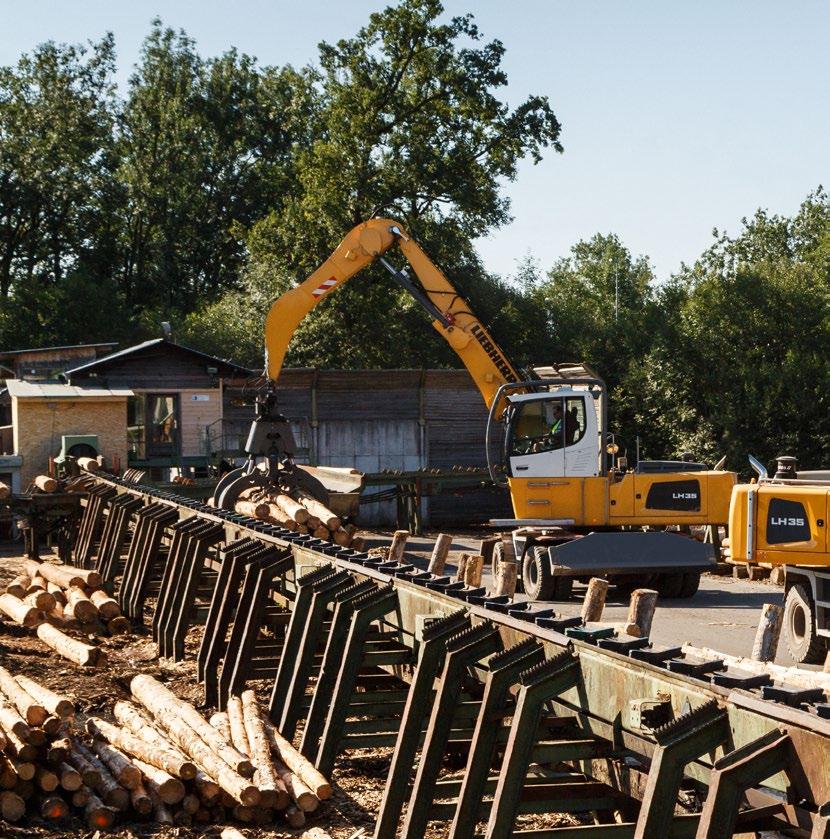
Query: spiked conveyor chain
x=317, y=575
x=468, y=635
x=364, y=656
x=356, y=591
x=367, y=597
x=548, y=667
x=705, y=713
x=508, y=657
x=444, y=625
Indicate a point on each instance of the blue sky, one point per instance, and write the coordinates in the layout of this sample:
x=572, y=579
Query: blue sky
x=677, y=117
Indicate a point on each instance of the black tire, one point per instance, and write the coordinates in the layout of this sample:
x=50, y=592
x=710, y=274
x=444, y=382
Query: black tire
x=539, y=582
x=691, y=583
x=805, y=646
x=668, y=586
x=625, y=585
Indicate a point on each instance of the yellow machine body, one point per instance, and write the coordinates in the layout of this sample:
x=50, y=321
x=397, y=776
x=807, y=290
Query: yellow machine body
x=623, y=500
x=595, y=495
x=779, y=523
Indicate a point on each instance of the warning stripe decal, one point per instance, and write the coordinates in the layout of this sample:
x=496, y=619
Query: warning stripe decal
x=325, y=286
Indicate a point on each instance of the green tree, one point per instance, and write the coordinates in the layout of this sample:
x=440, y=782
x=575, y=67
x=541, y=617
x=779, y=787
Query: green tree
x=407, y=122
x=743, y=369
x=600, y=308
x=56, y=118
x=205, y=148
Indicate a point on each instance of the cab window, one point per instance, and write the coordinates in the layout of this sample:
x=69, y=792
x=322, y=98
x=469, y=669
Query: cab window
x=575, y=420
x=539, y=426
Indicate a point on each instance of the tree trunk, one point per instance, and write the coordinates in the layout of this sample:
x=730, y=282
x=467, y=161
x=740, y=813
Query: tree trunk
x=20, y=611
x=121, y=767
x=162, y=702
x=97, y=815
x=439, y=554
x=141, y=801
x=69, y=648
x=107, y=606
x=302, y=796
x=161, y=758
x=170, y=790
x=594, y=601
x=70, y=779
x=19, y=586
x=473, y=570
x=641, y=612
x=40, y=600
x=63, y=575
x=222, y=724
x=175, y=717
x=293, y=509
x=12, y=806
x=318, y=509
x=81, y=607
x=45, y=483
x=236, y=721
x=506, y=576
x=298, y=764
x=29, y=709
x=112, y=793
x=768, y=633
x=274, y=793
x=398, y=546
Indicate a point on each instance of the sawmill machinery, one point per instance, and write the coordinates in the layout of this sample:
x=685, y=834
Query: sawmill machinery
x=578, y=510
x=782, y=521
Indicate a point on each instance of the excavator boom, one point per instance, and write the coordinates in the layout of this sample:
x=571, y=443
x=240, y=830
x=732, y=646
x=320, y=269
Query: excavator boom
x=463, y=331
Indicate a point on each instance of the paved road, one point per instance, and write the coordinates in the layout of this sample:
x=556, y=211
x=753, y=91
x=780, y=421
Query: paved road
x=723, y=615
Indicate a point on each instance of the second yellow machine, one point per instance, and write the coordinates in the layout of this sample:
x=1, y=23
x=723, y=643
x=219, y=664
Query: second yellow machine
x=578, y=511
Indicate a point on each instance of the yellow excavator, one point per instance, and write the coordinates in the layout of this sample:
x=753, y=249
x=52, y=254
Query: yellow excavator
x=782, y=521
x=578, y=510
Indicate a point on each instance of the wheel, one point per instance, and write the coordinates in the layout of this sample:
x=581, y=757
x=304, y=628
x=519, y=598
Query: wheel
x=691, y=583
x=800, y=627
x=539, y=582
x=668, y=586
x=624, y=585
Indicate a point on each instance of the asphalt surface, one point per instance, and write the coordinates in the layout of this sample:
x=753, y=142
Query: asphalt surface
x=723, y=615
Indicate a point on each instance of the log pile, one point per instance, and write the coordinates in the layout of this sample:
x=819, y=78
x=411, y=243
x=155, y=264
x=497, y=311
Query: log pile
x=160, y=760
x=39, y=755
x=64, y=597
x=302, y=514
x=238, y=754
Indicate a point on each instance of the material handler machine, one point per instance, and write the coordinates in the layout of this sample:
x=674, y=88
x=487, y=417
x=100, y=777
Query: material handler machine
x=782, y=521
x=578, y=510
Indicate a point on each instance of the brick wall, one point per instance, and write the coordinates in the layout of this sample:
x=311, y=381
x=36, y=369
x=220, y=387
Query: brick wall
x=40, y=423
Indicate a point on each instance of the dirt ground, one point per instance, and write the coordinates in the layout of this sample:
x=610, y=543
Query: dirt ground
x=358, y=780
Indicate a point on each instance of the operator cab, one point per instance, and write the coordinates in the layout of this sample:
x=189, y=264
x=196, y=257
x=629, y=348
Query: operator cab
x=553, y=434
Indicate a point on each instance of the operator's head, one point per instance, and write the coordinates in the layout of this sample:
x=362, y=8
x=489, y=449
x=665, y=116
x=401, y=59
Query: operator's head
x=557, y=407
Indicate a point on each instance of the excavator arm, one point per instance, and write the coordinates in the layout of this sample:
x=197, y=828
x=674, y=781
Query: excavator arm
x=463, y=331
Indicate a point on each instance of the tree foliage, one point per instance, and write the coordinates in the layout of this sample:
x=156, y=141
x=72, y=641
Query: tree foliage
x=211, y=185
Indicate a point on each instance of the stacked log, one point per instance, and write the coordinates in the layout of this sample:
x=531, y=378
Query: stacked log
x=241, y=759
x=64, y=596
x=301, y=514
x=35, y=774
x=160, y=759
